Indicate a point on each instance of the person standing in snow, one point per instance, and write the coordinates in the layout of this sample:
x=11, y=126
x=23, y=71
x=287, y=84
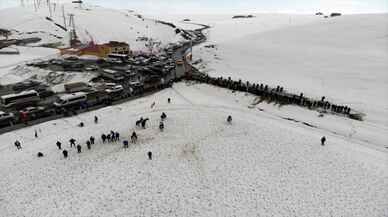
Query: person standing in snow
x=103, y=137
x=169, y=100
x=161, y=126
x=36, y=134
x=108, y=137
x=92, y=140
x=134, y=137
x=323, y=140
x=117, y=136
x=79, y=148
x=163, y=116
x=95, y=119
x=88, y=144
x=149, y=155
x=59, y=145
x=144, y=122
x=18, y=145
x=229, y=119
x=65, y=153
x=72, y=142
x=125, y=143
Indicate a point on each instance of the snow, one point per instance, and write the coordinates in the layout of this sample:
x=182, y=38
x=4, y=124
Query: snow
x=26, y=54
x=260, y=165
x=91, y=22
x=343, y=58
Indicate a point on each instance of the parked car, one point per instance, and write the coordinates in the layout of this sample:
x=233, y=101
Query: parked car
x=6, y=118
x=114, y=89
x=32, y=112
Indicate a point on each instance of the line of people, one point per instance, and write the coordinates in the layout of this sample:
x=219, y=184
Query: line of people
x=273, y=94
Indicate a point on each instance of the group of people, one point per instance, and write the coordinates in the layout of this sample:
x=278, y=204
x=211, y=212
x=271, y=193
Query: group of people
x=273, y=94
x=110, y=137
x=114, y=136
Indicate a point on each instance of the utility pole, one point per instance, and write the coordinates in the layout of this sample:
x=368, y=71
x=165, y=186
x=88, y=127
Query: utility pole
x=64, y=17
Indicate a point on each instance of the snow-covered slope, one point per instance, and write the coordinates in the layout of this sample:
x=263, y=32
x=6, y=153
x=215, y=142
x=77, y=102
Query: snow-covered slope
x=260, y=165
x=343, y=58
x=100, y=24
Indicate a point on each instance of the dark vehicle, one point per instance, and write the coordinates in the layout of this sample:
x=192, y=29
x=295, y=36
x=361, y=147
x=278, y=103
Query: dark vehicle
x=6, y=119
x=32, y=113
x=25, y=85
x=44, y=91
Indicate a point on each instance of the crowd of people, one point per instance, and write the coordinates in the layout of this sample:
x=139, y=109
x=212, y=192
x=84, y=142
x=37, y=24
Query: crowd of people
x=277, y=94
x=111, y=137
x=114, y=136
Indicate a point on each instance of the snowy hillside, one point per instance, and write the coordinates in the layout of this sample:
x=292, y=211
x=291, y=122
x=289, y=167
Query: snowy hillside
x=343, y=58
x=260, y=165
x=91, y=22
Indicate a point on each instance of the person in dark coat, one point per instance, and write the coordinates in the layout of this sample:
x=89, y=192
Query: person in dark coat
x=103, y=137
x=134, y=137
x=323, y=140
x=161, y=126
x=79, y=148
x=18, y=145
x=108, y=137
x=88, y=144
x=229, y=119
x=149, y=155
x=125, y=143
x=95, y=119
x=40, y=154
x=59, y=145
x=163, y=116
x=169, y=100
x=36, y=134
x=64, y=152
x=117, y=136
x=91, y=140
x=81, y=124
x=144, y=122
x=72, y=142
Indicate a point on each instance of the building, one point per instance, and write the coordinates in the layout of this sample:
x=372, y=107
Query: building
x=119, y=47
x=99, y=50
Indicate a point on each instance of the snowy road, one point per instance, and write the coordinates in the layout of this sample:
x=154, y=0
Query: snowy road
x=258, y=166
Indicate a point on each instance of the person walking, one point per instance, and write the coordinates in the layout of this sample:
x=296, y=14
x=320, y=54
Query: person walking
x=72, y=142
x=59, y=145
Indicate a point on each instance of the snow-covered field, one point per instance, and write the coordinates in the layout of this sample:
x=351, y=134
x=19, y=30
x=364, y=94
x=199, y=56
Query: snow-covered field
x=260, y=165
x=343, y=58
